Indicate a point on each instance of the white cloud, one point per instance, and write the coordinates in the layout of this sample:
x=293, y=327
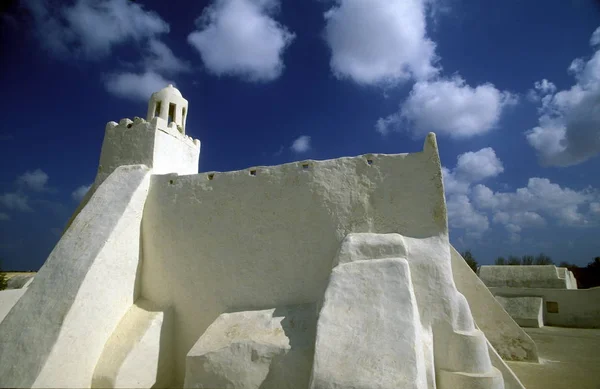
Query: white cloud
x=471, y=204
x=470, y=167
x=160, y=58
x=35, y=180
x=449, y=107
x=541, y=89
x=540, y=196
x=92, y=28
x=478, y=165
x=4, y=217
x=462, y=214
x=15, y=201
x=379, y=41
x=241, y=38
x=595, y=39
x=80, y=192
x=135, y=86
x=301, y=145
x=569, y=124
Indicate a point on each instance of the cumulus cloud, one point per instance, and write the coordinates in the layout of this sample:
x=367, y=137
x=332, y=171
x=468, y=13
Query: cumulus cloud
x=462, y=214
x=301, y=144
x=540, y=196
x=595, y=39
x=135, y=86
x=4, y=217
x=34, y=180
x=568, y=131
x=449, y=107
x=379, y=41
x=80, y=192
x=471, y=204
x=479, y=165
x=160, y=57
x=471, y=167
x=92, y=28
x=241, y=38
x=15, y=201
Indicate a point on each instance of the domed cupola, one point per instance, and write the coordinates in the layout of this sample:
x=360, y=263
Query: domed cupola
x=169, y=105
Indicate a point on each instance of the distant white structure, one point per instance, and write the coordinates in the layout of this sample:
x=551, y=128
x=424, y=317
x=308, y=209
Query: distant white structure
x=535, y=276
x=543, y=295
x=312, y=274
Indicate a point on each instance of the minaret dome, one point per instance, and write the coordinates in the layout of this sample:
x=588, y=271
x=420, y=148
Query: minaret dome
x=169, y=105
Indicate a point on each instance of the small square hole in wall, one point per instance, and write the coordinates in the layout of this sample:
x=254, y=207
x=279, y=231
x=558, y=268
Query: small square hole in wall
x=171, y=182
x=129, y=125
x=211, y=176
x=551, y=307
x=369, y=161
x=305, y=166
x=253, y=172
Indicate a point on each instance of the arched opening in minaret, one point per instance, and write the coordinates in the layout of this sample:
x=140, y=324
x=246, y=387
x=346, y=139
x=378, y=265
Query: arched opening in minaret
x=157, y=109
x=183, y=116
x=171, y=113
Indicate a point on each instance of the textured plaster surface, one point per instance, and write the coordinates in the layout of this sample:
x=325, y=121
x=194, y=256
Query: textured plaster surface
x=266, y=236
x=577, y=308
x=510, y=340
x=8, y=298
x=236, y=351
x=527, y=311
x=546, y=276
x=447, y=344
x=138, y=353
x=56, y=332
x=511, y=381
x=369, y=333
x=175, y=153
x=152, y=143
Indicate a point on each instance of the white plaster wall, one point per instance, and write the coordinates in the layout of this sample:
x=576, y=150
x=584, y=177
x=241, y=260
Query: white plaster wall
x=507, y=337
x=243, y=242
x=546, y=276
x=138, y=353
x=526, y=311
x=54, y=335
x=578, y=308
x=8, y=298
x=153, y=143
x=126, y=146
x=175, y=153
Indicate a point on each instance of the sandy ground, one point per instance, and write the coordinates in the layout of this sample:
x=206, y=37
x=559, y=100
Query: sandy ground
x=570, y=359
x=11, y=274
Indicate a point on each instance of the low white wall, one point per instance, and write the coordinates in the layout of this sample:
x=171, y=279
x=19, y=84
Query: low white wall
x=246, y=242
x=55, y=333
x=578, y=308
x=544, y=276
x=526, y=311
x=510, y=340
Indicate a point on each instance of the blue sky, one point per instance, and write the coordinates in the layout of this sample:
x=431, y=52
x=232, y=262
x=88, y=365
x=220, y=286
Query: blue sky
x=511, y=88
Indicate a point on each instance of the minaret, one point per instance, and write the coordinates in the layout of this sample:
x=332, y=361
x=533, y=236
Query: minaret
x=169, y=105
x=158, y=142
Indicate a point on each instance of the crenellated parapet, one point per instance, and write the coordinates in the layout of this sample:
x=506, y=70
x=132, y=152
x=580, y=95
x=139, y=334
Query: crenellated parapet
x=159, y=141
x=156, y=123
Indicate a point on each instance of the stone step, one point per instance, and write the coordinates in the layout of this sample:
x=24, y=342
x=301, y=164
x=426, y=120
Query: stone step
x=462, y=380
x=462, y=351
